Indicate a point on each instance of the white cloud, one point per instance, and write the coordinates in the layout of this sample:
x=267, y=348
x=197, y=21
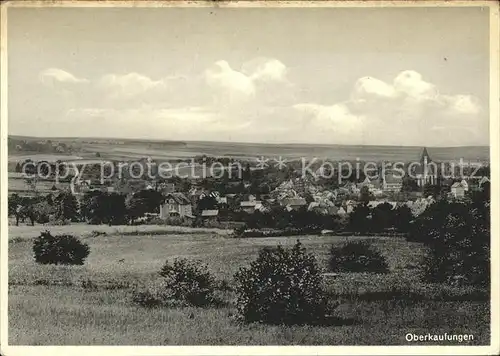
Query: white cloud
x=220, y=76
x=231, y=86
x=52, y=75
x=368, y=87
x=409, y=110
x=129, y=85
x=270, y=70
x=411, y=83
x=336, y=118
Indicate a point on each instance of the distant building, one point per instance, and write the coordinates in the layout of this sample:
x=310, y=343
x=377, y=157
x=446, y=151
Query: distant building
x=425, y=170
x=465, y=185
x=249, y=206
x=210, y=215
x=166, y=188
x=392, y=183
x=458, y=190
x=176, y=204
x=293, y=203
x=372, y=184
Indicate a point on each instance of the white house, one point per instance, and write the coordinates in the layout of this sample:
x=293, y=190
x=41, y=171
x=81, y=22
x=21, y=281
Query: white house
x=458, y=190
x=176, y=204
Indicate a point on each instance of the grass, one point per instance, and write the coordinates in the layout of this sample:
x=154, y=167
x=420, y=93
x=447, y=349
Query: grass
x=91, y=304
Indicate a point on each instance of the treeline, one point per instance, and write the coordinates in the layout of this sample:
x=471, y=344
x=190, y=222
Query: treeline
x=362, y=219
x=96, y=207
x=46, y=146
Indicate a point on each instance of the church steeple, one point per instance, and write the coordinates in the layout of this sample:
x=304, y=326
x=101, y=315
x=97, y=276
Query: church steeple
x=424, y=157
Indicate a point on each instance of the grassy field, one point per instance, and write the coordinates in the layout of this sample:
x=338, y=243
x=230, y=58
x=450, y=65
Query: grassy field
x=51, y=305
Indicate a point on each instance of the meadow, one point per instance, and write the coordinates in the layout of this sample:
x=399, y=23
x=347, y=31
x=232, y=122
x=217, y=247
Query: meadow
x=91, y=304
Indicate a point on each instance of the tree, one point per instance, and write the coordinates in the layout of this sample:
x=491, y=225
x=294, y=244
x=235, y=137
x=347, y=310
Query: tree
x=136, y=205
x=208, y=202
x=409, y=185
x=66, y=206
x=13, y=202
x=247, y=173
x=457, y=235
x=100, y=207
x=365, y=195
x=403, y=218
x=42, y=212
x=429, y=190
x=382, y=217
x=142, y=202
x=359, y=219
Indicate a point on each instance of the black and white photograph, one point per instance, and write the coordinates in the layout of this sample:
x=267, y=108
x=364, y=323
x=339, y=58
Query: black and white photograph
x=310, y=175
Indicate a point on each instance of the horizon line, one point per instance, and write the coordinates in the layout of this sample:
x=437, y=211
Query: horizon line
x=234, y=142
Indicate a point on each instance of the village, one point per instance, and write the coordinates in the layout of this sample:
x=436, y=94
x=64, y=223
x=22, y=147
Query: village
x=233, y=199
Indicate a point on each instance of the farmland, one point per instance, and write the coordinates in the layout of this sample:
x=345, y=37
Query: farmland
x=51, y=305
x=130, y=149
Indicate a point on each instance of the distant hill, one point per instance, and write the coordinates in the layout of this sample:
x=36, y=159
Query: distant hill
x=117, y=148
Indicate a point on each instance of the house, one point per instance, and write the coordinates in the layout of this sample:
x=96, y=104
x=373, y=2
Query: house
x=392, y=183
x=221, y=200
x=250, y=204
x=458, y=190
x=263, y=207
x=167, y=188
x=372, y=184
x=176, y=204
x=293, y=203
x=195, y=194
x=465, y=185
x=351, y=188
x=210, y=215
x=322, y=208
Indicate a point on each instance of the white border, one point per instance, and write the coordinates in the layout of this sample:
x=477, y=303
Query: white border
x=494, y=348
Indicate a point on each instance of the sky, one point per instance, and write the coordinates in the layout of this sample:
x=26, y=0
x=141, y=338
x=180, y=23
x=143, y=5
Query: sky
x=375, y=76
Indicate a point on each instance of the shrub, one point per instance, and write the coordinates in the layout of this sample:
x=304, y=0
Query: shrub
x=59, y=249
x=282, y=286
x=357, y=256
x=457, y=236
x=189, y=282
x=147, y=298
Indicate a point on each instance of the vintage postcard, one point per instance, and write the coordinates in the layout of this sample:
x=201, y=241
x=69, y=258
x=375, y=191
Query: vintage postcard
x=249, y=178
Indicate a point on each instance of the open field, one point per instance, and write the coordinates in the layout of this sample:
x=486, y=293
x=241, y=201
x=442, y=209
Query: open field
x=130, y=149
x=54, y=305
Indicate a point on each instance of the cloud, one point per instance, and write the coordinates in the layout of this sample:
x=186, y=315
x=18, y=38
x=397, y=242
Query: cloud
x=231, y=86
x=336, y=118
x=409, y=111
x=129, y=85
x=269, y=70
x=221, y=75
x=51, y=76
x=258, y=102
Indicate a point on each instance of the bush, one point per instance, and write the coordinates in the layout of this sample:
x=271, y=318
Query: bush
x=189, y=282
x=59, y=249
x=357, y=257
x=283, y=286
x=457, y=236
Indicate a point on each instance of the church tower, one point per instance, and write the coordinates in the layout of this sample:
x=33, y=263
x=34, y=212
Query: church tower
x=424, y=157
